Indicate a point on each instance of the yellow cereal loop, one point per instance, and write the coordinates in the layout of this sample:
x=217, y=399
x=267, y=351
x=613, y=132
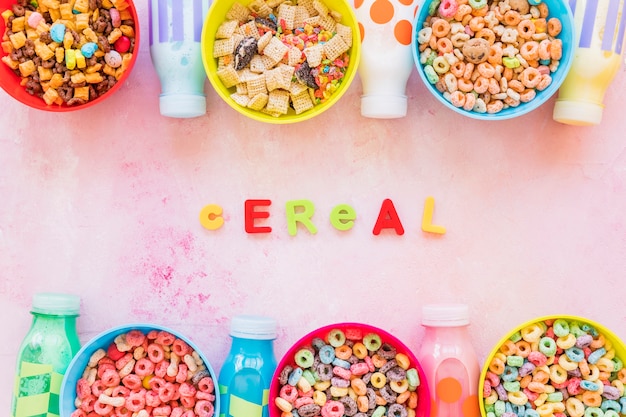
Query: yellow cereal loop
x=594, y=373
x=540, y=399
x=508, y=348
x=319, y=397
x=619, y=385
x=403, y=361
x=517, y=398
x=321, y=385
x=283, y=404
x=378, y=380
x=359, y=350
x=567, y=364
x=558, y=374
x=605, y=365
x=399, y=386
x=338, y=392
x=532, y=333
x=304, y=385
x=566, y=342
x=574, y=407
x=492, y=398
x=545, y=410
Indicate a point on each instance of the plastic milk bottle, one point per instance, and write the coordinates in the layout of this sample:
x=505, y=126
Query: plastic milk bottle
x=45, y=354
x=386, y=56
x=600, y=32
x=244, y=380
x=175, y=31
x=449, y=361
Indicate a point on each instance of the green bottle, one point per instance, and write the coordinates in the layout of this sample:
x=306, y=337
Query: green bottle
x=45, y=354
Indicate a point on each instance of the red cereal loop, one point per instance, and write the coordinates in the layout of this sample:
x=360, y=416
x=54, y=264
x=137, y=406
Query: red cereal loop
x=82, y=388
x=155, y=353
x=180, y=348
x=153, y=399
x=186, y=390
x=114, y=353
x=135, y=402
x=206, y=384
x=144, y=367
x=132, y=382
x=135, y=338
x=110, y=378
x=87, y=403
x=165, y=338
x=204, y=409
x=204, y=396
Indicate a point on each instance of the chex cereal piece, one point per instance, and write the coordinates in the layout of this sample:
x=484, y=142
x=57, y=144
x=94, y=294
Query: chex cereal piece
x=308, y=5
x=273, y=79
x=328, y=23
x=260, y=8
x=242, y=88
x=301, y=101
x=294, y=56
x=296, y=88
x=313, y=20
x=314, y=54
x=287, y=73
x=245, y=74
x=257, y=65
x=240, y=99
x=226, y=29
x=274, y=3
x=345, y=32
x=238, y=12
x=268, y=62
x=336, y=15
x=249, y=29
x=275, y=49
x=300, y=16
x=263, y=41
x=228, y=75
x=335, y=47
x=256, y=85
x=223, y=47
x=258, y=102
x=321, y=8
x=287, y=13
x=225, y=61
x=278, y=101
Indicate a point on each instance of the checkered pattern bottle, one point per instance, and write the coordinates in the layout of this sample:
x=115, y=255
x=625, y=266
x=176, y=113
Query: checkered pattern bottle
x=45, y=354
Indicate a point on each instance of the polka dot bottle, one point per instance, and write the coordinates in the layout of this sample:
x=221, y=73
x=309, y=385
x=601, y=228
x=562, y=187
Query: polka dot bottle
x=45, y=354
x=449, y=361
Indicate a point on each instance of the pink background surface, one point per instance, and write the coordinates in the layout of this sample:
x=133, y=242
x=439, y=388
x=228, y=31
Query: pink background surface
x=104, y=203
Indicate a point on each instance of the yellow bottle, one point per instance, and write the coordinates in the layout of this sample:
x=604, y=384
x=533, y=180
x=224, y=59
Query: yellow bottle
x=600, y=28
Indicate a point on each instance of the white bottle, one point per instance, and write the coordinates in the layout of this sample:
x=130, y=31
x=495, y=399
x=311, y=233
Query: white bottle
x=386, y=57
x=175, y=31
x=600, y=37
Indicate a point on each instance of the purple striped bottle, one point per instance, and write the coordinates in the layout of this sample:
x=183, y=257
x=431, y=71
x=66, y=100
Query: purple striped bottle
x=600, y=26
x=175, y=32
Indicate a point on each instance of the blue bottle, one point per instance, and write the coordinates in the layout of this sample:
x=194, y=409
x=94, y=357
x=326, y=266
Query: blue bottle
x=244, y=380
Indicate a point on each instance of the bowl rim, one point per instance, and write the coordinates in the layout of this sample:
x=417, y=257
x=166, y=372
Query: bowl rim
x=107, y=336
x=565, y=65
x=287, y=358
x=209, y=30
x=17, y=91
x=598, y=326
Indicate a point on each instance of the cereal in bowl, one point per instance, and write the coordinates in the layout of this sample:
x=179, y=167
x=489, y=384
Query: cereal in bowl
x=349, y=374
x=141, y=375
x=487, y=55
x=278, y=56
x=68, y=52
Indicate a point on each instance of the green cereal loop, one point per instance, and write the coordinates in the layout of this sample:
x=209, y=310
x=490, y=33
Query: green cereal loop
x=431, y=58
x=561, y=328
x=309, y=376
x=372, y=342
x=489, y=410
x=516, y=337
x=589, y=329
x=594, y=412
x=514, y=360
x=304, y=358
x=555, y=397
x=336, y=338
x=432, y=8
x=611, y=413
x=618, y=364
x=477, y=4
x=379, y=412
x=547, y=346
x=413, y=377
x=511, y=386
x=499, y=407
x=511, y=62
x=431, y=74
x=575, y=329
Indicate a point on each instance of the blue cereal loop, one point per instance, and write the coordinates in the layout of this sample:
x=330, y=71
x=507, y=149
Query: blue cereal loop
x=588, y=328
x=596, y=355
x=547, y=346
x=589, y=385
x=534, y=2
x=295, y=376
x=575, y=354
x=317, y=343
x=509, y=374
x=341, y=363
x=327, y=354
x=610, y=405
x=57, y=32
x=531, y=413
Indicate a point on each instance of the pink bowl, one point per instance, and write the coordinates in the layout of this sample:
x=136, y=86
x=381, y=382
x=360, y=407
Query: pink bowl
x=10, y=82
x=354, y=332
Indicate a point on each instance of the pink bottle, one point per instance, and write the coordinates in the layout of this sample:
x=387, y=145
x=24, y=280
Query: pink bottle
x=449, y=361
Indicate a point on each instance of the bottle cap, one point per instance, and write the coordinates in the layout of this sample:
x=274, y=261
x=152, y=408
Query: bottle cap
x=383, y=106
x=445, y=315
x=182, y=106
x=253, y=327
x=56, y=304
x=578, y=113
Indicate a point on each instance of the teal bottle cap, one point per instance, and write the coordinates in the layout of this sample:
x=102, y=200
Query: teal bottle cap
x=253, y=327
x=56, y=304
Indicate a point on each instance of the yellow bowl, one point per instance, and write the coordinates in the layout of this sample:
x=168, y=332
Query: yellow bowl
x=613, y=344
x=217, y=15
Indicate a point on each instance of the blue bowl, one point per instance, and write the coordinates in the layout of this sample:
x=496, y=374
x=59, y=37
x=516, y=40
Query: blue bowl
x=74, y=372
x=557, y=8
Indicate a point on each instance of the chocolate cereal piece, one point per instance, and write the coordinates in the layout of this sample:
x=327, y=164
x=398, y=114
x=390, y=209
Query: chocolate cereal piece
x=305, y=76
x=309, y=410
x=244, y=52
x=476, y=50
x=350, y=406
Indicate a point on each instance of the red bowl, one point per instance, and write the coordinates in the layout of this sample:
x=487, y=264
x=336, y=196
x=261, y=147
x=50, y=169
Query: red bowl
x=358, y=331
x=10, y=82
